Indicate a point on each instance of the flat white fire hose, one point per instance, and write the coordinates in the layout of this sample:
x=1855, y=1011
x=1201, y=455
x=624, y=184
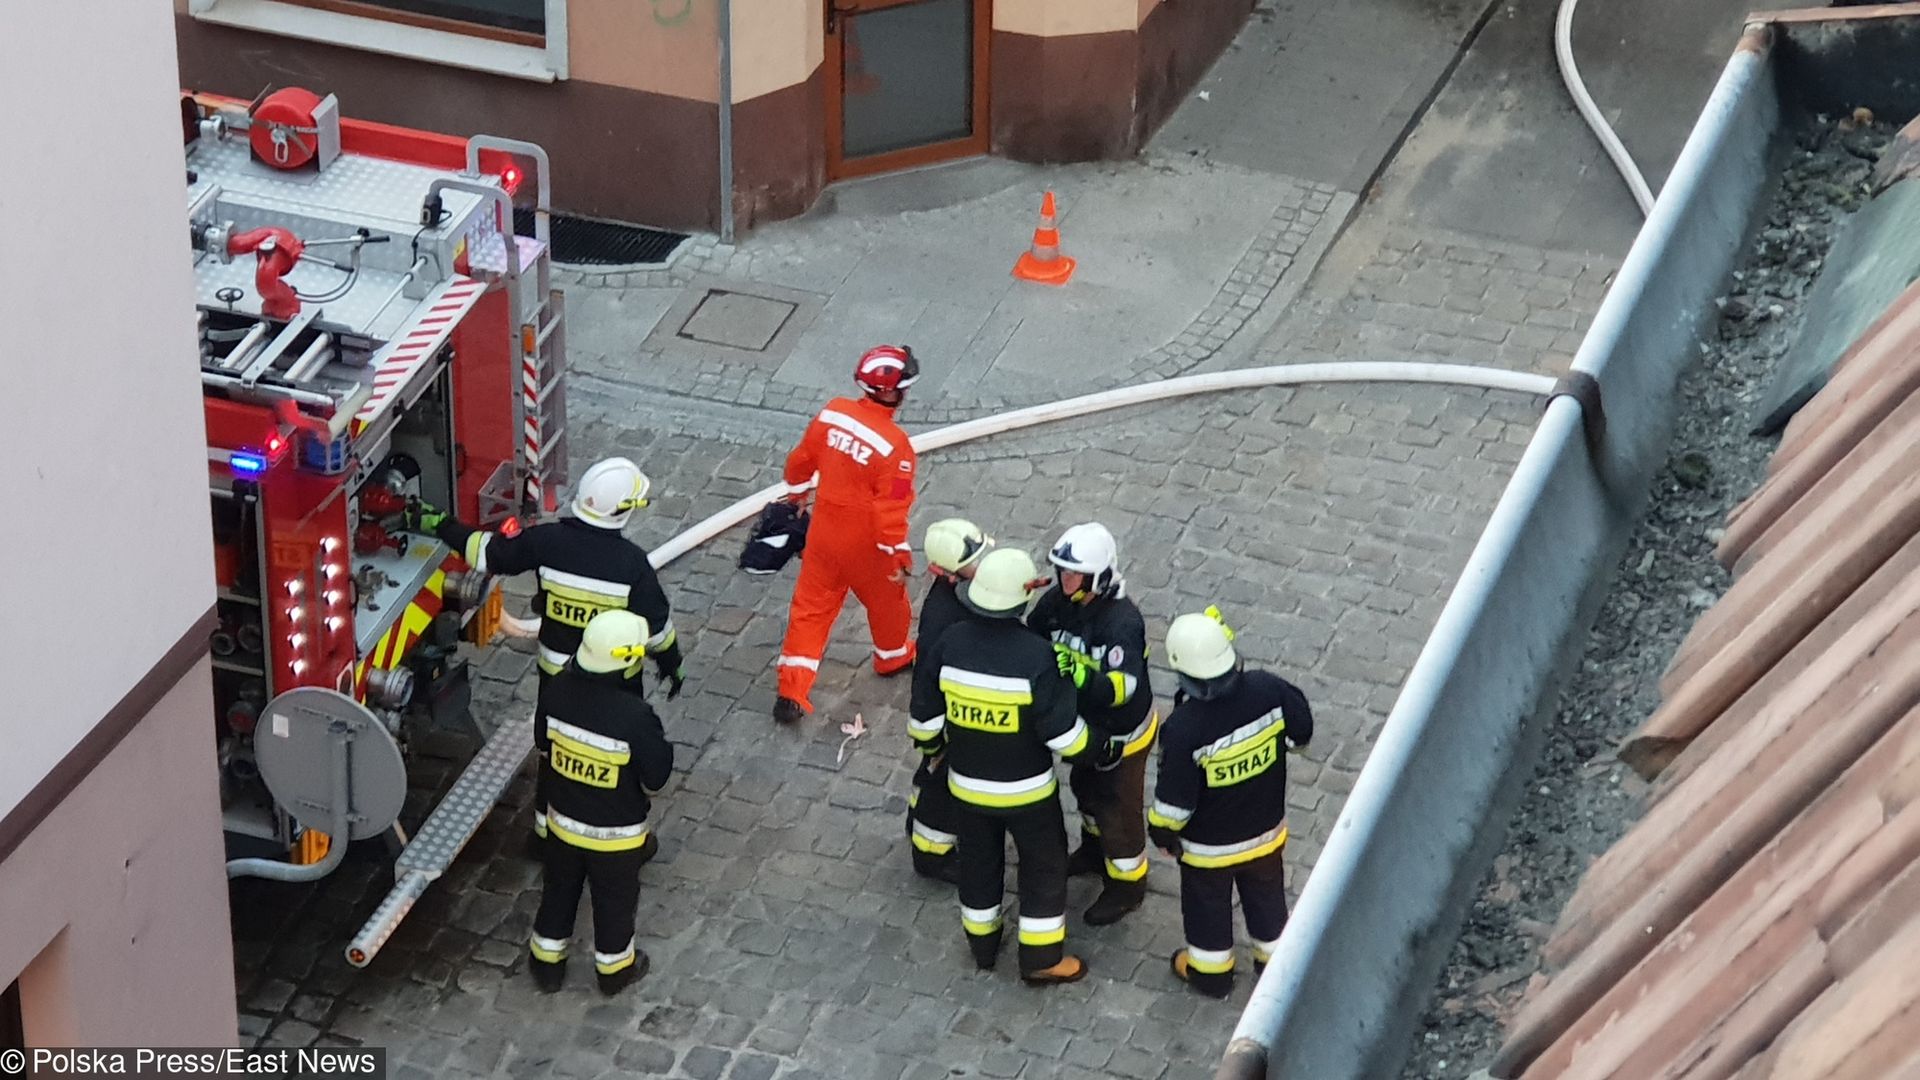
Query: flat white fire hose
x=1583, y=101
x=1140, y=394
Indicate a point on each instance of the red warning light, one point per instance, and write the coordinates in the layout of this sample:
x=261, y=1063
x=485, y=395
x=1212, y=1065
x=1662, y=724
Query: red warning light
x=274, y=445
x=510, y=179
x=510, y=528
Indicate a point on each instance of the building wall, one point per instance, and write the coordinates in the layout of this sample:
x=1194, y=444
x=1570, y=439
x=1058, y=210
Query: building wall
x=633, y=131
x=115, y=906
x=1084, y=80
x=112, y=896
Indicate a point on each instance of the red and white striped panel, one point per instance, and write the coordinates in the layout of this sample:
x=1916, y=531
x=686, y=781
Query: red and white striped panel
x=403, y=357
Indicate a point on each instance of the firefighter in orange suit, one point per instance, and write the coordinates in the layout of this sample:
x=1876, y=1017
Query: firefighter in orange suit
x=858, y=537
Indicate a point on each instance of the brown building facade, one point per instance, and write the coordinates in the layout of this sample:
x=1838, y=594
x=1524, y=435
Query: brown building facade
x=625, y=94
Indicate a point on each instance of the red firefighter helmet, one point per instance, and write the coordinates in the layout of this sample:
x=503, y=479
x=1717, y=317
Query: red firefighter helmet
x=886, y=370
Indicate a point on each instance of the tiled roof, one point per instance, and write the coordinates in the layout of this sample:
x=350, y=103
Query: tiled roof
x=1762, y=920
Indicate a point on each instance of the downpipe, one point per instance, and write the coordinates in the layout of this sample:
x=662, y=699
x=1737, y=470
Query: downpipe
x=275, y=869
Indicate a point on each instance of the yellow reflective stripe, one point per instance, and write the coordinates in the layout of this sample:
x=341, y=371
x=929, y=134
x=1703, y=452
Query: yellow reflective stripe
x=1121, y=691
x=1207, y=859
x=1043, y=931
x=597, y=837
x=1127, y=869
x=476, y=550
x=981, y=921
x=1263, y=950
x=999, y=794
x=931, y=847
x=1071, y=741
x=1140, y=742
x=663, y=638
x=1168, y=816
x=1242, y=739
x=615, y=750
x=926, y=730
x=613, y=963
x=1209, y=961
x=994, y=689
x=547, y=950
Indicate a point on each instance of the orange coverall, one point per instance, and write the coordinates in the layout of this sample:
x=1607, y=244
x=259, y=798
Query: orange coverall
x=857, y=539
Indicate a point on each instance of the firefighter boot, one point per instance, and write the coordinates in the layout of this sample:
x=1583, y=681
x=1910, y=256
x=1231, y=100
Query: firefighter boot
x=936, y=867
x=626, y=976
x=985, y=949
x=1213, y=984
x=1069, y=969
x=548, y=975
x=1116, y=901
x=787, y=711
x=1086, y=859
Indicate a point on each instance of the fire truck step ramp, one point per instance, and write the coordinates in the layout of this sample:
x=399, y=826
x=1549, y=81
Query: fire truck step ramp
x=447, y=830
x=603, y=243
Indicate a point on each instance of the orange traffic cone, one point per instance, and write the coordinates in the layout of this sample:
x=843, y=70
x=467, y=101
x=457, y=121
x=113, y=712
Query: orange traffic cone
x=1044, y=263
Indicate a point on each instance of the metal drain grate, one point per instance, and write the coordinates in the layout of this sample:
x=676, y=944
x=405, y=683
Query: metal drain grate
x=603, y=243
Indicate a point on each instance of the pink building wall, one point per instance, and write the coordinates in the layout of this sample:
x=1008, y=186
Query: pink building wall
x=113, y=912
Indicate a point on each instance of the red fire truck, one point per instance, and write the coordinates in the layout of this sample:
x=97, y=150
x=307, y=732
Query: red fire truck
x=373, y=333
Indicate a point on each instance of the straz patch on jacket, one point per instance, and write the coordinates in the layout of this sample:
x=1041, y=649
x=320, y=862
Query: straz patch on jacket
x=1244, y=753
x=1243, y=764
x=574, y=599
x=984, y=702
x=583, y=756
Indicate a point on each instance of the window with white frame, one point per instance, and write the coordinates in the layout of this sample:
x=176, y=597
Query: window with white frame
x=522, y=38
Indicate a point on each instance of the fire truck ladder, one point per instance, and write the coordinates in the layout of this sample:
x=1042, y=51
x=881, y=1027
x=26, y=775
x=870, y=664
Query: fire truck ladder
x=543, y=408
x=446, y=831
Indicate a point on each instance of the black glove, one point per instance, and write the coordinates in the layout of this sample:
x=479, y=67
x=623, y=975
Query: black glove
x=1165, y=839
x=1107, y=758
x=675, y=682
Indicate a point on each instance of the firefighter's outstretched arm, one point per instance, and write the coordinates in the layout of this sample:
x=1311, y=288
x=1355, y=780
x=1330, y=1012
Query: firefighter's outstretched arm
x=803, y=461
x=487, y=552
x=650, y=603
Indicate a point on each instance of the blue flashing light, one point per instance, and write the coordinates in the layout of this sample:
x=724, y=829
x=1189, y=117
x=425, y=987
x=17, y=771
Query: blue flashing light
x=244, y=461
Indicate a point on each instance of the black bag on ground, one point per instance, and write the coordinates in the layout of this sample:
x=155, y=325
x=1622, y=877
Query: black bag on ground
x=779, y=535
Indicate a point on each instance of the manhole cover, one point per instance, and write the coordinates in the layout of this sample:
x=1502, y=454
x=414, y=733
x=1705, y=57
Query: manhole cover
x=602, y=243
x=736, y=320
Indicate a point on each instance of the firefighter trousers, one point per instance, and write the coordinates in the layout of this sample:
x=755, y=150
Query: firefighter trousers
x=1113, y=816
x=1039, y=834
x=931, y=824
x=1206, y=912
x=612, y=882
x=839, y=559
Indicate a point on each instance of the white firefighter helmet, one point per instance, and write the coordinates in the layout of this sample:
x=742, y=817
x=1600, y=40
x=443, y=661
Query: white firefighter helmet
x=1089, y=549
x=1003, y=584
x=609, y=493
x=954, y=543
x=1200, y=646
x=613, y=641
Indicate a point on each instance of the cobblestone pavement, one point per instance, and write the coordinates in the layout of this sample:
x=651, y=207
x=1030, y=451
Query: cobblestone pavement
x=789, y=938
x=788, y=935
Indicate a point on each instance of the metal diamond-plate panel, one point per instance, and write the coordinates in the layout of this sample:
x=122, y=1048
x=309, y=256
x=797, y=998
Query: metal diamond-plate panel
x=355, y=185
x=467, y=804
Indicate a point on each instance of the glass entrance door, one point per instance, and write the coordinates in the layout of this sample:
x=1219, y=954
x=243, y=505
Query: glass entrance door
x=906, y=82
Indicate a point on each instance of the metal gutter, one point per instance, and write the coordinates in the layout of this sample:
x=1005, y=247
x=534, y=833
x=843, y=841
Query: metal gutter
x=1342, y=993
